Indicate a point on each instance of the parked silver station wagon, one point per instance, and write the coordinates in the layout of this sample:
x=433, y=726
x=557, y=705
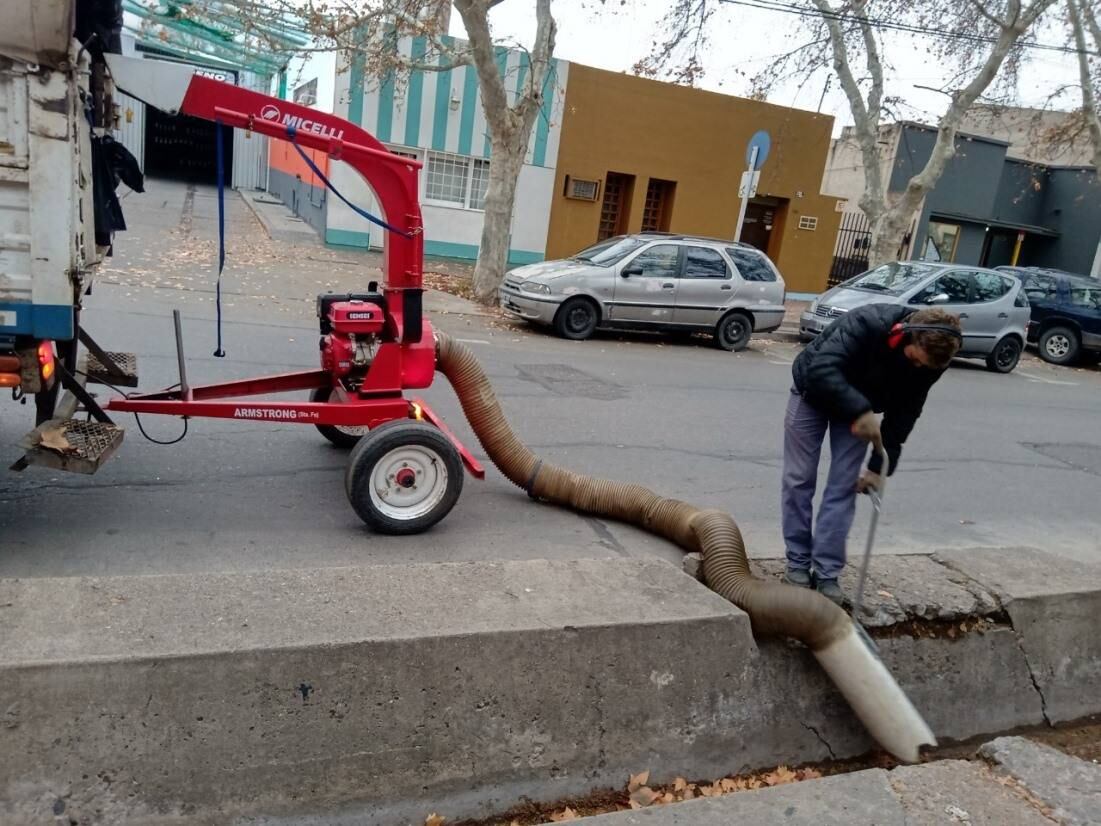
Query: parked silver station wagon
x=652, y=281
x=992, y=307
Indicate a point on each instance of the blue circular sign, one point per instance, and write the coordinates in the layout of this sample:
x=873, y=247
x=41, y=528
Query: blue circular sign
x=763, y=143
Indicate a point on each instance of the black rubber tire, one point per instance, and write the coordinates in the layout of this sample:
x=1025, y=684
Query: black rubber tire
x=375, y=447
x=733, y=331
x=1005, y=355
x=576, y=319
x=1055, y=338
x=335, y=434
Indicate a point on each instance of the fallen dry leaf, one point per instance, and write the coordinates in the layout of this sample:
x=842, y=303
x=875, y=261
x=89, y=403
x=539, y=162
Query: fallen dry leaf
x=434, y=820
x=680, y=784
x=565, y=814
x=728, y=785
x=644, y=796
x=639, y=780
x=809, y=774
x=707, y=791
x=688, y=794
x=668, y=798
x=55, y=440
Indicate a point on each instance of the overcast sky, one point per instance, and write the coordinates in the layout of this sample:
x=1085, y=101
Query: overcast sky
x=743, y=39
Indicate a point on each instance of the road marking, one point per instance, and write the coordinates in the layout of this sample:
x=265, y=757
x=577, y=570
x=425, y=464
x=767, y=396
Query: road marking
x=1034, y=378
x=472, y=340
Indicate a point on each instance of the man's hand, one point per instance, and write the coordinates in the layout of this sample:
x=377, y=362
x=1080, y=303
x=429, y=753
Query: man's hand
x=866, y=427
x=869, y=481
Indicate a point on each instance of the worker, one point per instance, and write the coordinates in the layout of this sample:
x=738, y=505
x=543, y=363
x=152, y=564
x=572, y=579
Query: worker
x=879, y=358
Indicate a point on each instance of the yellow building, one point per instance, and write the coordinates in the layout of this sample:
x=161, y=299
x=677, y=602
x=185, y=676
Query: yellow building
x=640, y=155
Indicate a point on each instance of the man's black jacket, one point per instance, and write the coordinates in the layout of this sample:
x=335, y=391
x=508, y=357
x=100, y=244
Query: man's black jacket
x=850, y=368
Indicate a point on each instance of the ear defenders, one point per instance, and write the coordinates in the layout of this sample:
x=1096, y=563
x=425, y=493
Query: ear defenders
x=900, y=330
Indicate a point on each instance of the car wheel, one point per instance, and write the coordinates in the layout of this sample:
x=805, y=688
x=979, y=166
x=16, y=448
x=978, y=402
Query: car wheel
x=1059, y=345
x=1005, y=355
x=733, y=332
x=576, y=319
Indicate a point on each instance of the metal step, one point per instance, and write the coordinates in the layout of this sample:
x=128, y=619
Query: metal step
x=71, y=445
x=122, y=372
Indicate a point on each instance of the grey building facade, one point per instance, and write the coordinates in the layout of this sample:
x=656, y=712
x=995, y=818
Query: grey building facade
x=988, y=208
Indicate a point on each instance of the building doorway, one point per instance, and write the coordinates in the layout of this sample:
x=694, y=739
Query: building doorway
x=1000, y=248
x=615, y=209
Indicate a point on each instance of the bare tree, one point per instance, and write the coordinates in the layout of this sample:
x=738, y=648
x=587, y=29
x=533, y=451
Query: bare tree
x=367, y=33
x=1083, y=20
x=977, y=38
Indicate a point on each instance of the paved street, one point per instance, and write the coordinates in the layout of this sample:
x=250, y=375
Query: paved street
x=995, y=460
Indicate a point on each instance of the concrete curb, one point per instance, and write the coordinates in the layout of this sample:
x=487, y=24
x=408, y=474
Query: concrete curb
x=377, y=695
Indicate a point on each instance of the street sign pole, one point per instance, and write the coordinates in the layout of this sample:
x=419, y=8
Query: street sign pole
x=746, y=196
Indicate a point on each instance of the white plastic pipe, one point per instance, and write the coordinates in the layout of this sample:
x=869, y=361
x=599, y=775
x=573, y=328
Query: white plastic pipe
x=877, y=699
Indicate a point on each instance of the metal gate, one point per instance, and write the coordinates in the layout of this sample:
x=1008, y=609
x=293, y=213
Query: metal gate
x=250, y=160
x=850, y=254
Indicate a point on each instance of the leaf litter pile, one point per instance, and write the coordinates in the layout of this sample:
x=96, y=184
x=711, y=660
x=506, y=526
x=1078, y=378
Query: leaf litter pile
x=637, y=794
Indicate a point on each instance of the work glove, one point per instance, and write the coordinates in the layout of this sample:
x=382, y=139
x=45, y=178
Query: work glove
x=869, y=481
x=866, y=427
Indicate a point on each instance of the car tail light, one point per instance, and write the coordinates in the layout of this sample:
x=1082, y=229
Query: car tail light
x=10, y=380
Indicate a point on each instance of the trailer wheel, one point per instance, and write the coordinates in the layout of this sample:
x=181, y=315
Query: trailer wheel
x=403, y=477
x=341, y=436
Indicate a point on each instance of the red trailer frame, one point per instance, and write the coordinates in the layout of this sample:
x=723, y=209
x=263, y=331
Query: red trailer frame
x=406, y=357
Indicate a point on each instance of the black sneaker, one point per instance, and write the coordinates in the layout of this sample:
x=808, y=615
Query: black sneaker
x=830, y=590
x=799, y=577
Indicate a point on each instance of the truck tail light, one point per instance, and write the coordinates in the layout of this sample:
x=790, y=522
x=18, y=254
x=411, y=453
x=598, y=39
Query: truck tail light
x=46, y=359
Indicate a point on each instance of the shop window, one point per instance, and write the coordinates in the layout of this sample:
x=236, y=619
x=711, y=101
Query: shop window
x=941, y=242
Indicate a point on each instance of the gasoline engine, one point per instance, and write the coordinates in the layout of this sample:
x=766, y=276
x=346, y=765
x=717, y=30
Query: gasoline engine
x=352, y=327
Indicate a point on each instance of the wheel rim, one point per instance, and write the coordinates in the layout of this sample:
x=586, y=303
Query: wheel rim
x=408, y=482
x=578, y=318
x=734, y=330
x=355, y=431
x=1007, y=354
x=1057, y=346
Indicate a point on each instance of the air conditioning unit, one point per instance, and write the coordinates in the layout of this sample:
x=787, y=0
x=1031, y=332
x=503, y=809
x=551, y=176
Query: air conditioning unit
x=582, y=190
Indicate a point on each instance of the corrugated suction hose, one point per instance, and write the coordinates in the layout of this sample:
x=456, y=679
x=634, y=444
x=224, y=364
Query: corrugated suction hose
x=773, y=608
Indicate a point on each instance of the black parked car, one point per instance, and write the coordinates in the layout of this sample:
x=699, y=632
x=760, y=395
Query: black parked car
x=1066, y=312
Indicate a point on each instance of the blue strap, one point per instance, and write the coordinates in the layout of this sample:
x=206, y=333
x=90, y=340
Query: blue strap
x=316, y=171
x=220, y=153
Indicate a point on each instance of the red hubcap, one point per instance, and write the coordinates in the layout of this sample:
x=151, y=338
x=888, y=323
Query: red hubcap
x=406, y=478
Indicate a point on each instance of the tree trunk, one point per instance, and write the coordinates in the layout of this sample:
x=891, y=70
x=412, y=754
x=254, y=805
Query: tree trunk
x=504, y=170
x=888, y=234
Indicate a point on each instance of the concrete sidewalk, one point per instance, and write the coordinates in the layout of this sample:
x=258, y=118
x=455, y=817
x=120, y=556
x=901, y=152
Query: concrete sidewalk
x=381, y=694
x=1015, y=783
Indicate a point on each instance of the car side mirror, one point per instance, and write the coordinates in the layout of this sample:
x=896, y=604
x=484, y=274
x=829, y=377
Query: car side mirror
x=630, y=270
x=939, y=298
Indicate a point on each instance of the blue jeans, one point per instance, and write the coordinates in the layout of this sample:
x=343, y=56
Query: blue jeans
x=822, y=550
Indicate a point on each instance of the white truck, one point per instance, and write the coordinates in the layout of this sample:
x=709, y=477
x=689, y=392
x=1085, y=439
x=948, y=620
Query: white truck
x=56, y=106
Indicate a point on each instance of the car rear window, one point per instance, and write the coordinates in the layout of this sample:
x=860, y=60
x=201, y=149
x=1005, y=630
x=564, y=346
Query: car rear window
x=751, y=265
x=701, y=262
x=1085, y=294
x=989, y=287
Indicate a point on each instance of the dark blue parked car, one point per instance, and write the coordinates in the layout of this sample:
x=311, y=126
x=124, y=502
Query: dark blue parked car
x=1066, y=312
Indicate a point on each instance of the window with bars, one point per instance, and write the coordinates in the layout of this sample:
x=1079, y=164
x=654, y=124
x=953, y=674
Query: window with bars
x=454, y=180
x=446, y=178
x=479, y=183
